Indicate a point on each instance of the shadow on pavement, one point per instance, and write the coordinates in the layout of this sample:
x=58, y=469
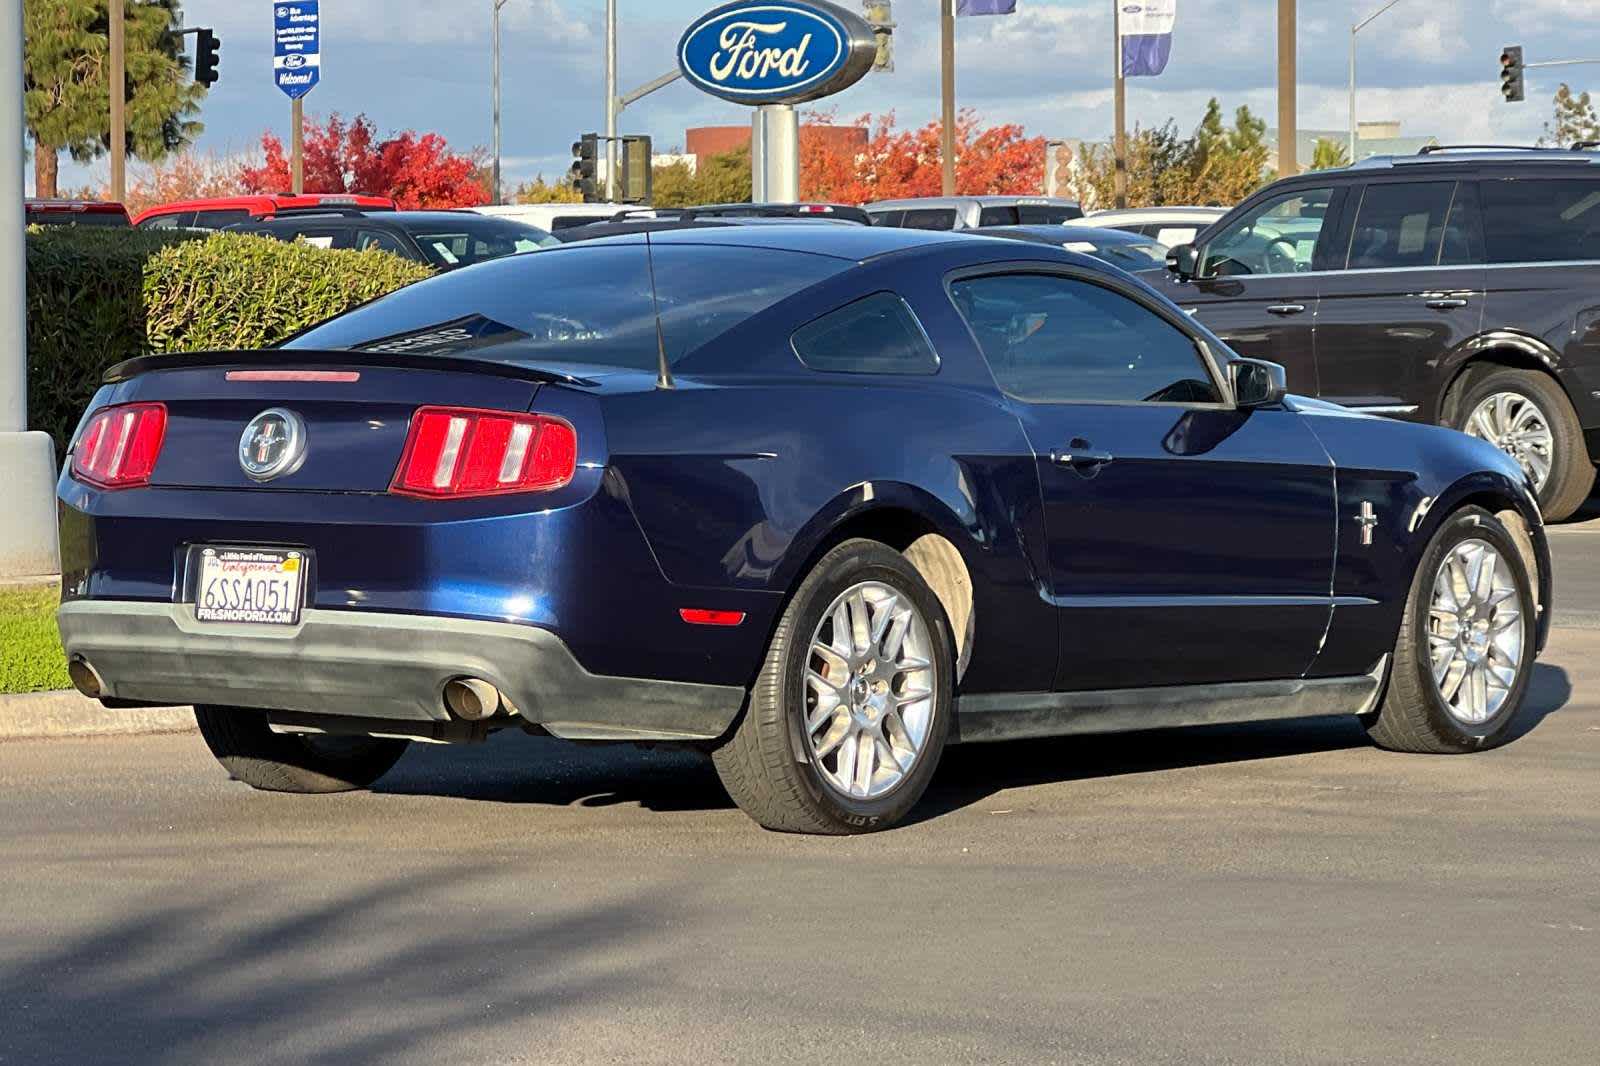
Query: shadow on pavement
x=281, y=973
x=519, y=769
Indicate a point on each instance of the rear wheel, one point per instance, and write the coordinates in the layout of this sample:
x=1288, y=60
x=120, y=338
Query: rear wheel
x=1526, y=415
x=248, y=749
x=849, y=715
x=1466, y=644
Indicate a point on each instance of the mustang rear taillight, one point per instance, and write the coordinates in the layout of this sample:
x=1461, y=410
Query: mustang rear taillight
x=120, y=445
x=454, y=452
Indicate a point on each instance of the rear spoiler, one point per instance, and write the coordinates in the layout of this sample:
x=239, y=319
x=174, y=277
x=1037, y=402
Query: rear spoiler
x=303, y=357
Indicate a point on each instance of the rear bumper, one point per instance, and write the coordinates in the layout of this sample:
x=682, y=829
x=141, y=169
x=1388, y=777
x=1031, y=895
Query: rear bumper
x=360, y=664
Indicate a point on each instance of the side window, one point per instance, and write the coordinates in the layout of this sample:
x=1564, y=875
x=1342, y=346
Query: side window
x=876, y=334
x=385, y=242
x=1400, y=224
x=1171, y=236
x=1278, y=237
x=321, y=238
x=1463, y=229
x=1052, y=339
x=176, y=220
x=888, y=218
x=930, y=218
x=219, y=218
x=1541, y=221
x=997, y=216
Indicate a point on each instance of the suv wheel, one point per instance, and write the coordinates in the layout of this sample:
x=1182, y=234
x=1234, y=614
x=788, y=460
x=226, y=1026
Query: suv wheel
x=849, y=715
x=1527, y=416
x=1466, y=644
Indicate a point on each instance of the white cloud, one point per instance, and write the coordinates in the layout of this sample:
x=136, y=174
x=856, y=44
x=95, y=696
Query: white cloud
x=1554, y=10
x=1436, y=36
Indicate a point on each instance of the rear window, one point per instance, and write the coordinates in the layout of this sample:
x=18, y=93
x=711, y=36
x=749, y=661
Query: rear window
x=67, y=217
x=997, y=216
x=465, y=241
x=219, y=218
x=1534, y=220
x=1046, y=214
x=582, y=304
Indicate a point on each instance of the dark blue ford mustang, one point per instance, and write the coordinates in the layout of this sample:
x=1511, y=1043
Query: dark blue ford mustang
x=819, y=500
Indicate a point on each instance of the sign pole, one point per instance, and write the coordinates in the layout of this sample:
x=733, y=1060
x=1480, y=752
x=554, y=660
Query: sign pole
x=1287, y=134
x=27, y=460
x=1119, y=181
x=119, y=89
x=775, y=154
x=947, y=65
x=297, y=178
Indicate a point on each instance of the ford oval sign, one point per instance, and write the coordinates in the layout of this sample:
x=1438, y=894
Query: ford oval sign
x=777, y=52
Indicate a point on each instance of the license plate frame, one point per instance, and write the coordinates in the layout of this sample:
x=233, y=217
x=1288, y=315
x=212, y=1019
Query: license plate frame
x=249, y=585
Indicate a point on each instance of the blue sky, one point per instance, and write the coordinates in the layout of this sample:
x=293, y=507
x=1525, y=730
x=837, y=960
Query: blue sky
x=424, y=64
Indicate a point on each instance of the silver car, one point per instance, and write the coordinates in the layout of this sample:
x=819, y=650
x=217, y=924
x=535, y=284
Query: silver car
x=970, y=212
x=1170, y=226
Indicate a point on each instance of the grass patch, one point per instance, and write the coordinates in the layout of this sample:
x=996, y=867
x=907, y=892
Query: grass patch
x=31, y=659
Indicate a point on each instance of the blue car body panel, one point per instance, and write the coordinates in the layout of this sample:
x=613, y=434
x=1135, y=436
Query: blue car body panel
x=1219, y=546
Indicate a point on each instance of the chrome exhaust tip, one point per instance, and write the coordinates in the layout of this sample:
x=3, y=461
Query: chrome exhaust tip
x=471, y=698
x=85, y=678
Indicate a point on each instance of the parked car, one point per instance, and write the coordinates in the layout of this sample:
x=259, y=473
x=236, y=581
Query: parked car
x=602, y=494
x=553, y=218
x=1448, y=287
x=1170, y=226
x=442, y=239
x=663, y=222
x=970, y=212
x=833, y=212
x=1129, y=251
x=73, y=213
x=220, y=212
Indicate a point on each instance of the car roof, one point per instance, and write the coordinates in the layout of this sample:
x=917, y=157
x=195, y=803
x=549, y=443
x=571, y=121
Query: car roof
x=843, y=242
x=1157, y=214
x=1057, y=233
x=961, y=201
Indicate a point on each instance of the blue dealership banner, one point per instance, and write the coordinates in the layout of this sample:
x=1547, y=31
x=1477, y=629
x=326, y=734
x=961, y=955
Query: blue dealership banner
x=296, y=47
x=986, y=7
x=1145, y=30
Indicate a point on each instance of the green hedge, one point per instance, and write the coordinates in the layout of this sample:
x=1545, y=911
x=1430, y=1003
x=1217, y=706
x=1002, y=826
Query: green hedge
x=99, y=296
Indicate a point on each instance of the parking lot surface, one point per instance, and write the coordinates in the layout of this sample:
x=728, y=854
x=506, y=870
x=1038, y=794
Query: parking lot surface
x=1277, y=893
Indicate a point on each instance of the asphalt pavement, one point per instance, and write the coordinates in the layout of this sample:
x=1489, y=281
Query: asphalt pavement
x=1278, y=893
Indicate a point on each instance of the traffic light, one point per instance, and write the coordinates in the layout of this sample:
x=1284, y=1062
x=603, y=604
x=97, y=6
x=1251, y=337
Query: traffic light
x=585, y=166
x=1511, y=72
x=206, y=45
x=636, y=184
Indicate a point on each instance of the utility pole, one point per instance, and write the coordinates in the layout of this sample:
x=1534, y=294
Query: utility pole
x=494, y=194
x=27, y=460
x=1356, y=28
x=297, y=146
x=611, y=101
x=1119, y=143
x=947, y=63
x=119, y=91
x=1287, y=132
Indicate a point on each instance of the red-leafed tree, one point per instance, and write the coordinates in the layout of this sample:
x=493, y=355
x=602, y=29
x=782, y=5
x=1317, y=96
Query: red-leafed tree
x=417, y=170
x=993, y=160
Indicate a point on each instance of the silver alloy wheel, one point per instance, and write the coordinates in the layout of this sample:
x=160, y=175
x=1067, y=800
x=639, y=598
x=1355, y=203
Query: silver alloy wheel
x=1475, y=631
x=869, y=690
x=1513, y=423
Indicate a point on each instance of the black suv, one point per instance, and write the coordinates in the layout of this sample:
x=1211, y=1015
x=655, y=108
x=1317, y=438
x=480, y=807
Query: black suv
x=443, y=240
x=1456, y=286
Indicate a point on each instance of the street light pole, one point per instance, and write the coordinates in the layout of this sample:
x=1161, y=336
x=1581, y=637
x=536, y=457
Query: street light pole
x=1355, y=29
x=495, y=179
x=611, y=101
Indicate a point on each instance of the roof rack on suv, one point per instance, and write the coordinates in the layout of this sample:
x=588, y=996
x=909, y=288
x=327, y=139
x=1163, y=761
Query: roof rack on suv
x=1584, y=146
x=338, y=211
x=1429, y=149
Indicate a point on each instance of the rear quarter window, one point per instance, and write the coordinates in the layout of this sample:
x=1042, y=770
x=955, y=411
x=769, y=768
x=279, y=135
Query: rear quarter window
x=1538, y=220
x=877, y=334
x=937, y=218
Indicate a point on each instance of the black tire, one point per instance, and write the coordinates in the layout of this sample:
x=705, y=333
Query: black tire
x=1571, y=470
x=766, y=765
x=287, y=762
x=1414, y=716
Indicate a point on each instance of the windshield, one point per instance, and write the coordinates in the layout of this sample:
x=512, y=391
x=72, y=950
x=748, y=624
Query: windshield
x=458, y=242
x=584, y=303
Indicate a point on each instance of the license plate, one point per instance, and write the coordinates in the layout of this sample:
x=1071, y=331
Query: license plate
x=259, y=585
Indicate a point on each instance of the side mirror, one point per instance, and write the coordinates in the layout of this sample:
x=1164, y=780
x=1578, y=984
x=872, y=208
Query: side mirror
x=1183, y=261
x=1257, y=383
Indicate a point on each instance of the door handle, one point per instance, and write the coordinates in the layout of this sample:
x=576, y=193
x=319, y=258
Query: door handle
x=1081, y=457
x=1285, y=309
x=1444, y=303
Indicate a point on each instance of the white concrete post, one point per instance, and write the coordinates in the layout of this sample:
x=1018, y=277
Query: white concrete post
x=27, y=460
x=775, y=154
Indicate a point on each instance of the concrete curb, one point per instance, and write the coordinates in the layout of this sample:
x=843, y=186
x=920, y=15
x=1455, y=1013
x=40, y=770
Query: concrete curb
x=68, y=714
